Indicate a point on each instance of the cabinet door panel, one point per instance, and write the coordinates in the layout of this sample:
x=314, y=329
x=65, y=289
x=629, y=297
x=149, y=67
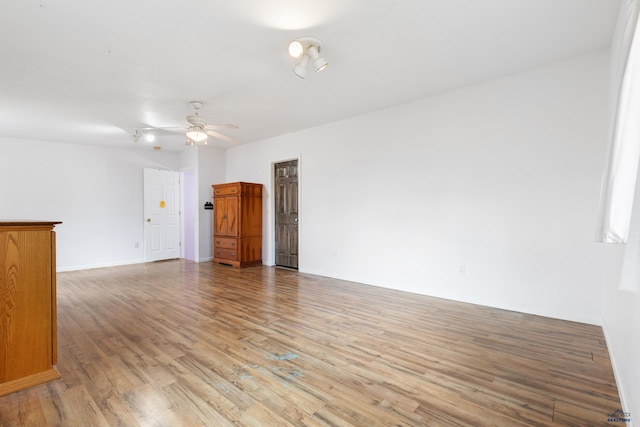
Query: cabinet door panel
x=232, y=216
x=220, y=216
x=25, y=289
x=225, y=211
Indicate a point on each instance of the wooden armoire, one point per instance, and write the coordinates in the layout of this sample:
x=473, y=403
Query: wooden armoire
x=27, y=304
x=237, y=224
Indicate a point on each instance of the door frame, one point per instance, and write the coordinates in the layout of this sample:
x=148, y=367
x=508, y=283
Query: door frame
x=272, y=210
x=146, y=231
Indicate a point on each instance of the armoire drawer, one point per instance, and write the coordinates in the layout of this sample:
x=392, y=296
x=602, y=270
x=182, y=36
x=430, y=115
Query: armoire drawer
x=229, y=254
x=223, y=190
x=224, y=243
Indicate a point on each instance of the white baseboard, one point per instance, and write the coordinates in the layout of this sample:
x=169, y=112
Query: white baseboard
x=92, y=266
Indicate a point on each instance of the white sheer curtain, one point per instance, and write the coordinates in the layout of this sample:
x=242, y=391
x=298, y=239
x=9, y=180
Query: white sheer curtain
x=620, y=204
x=619, y=182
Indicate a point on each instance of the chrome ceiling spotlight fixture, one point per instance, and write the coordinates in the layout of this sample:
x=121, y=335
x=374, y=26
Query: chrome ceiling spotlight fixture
x=307, y=48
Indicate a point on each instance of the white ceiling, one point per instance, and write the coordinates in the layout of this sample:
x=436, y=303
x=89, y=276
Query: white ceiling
x=93, y=71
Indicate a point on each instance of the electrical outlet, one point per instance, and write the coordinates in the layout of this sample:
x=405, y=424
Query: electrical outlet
x=136, y=245
x=462, y=270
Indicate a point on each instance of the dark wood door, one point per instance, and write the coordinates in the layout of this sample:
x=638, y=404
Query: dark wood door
x=286, y=209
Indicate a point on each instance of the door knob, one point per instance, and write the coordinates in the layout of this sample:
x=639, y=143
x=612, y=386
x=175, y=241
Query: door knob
x=148, y=219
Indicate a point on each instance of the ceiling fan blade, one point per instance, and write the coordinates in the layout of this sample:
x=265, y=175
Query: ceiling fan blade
x=172, y=128
x=163, y=130
x=222, y=126
x=222, y=137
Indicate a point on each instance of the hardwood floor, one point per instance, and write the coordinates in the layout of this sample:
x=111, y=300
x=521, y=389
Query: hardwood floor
x=178, y=343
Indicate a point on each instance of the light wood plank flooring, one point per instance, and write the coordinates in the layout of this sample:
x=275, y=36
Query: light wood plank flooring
x=179, y=343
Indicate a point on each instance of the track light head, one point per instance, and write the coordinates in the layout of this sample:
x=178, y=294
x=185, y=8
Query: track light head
x=319, y=63
x=296, y=49
x=300, y=69
x=149, y=137
x=307, y=47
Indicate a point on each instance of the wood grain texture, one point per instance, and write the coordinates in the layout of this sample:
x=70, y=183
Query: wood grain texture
x=177, y=343
x=237, y=224
x=285, y=191
x=27, y=304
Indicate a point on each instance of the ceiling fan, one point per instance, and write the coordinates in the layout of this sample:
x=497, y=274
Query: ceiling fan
x=198, y=131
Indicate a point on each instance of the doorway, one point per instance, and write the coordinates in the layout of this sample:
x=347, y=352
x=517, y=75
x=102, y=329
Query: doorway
x=286, y=213
x=162, y=214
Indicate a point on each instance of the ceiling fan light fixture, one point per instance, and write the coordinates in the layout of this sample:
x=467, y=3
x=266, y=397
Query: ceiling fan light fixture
x=197, y=135
x=196, y=132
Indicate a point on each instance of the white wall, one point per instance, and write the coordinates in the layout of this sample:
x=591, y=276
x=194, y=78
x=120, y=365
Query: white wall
x=621, y=321
x=95, y=191
x=208, y=164
x=211, y=170
x=501, y=178
x=189, y=228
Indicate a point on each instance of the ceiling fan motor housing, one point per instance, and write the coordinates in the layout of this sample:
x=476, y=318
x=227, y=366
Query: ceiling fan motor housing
x=196, y=120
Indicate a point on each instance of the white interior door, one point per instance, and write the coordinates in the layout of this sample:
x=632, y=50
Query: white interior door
x=162, y=214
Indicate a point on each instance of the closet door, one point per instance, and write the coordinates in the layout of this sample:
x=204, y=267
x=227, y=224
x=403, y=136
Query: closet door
x=286, y=213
